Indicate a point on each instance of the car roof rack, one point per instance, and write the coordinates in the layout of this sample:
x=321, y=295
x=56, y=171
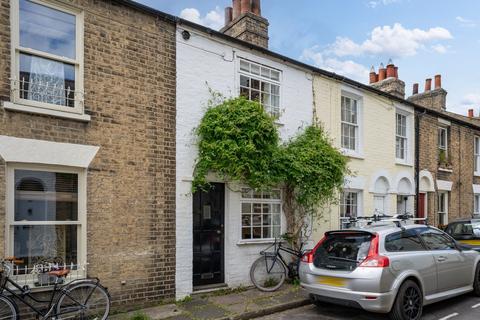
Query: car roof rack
x=396, y=219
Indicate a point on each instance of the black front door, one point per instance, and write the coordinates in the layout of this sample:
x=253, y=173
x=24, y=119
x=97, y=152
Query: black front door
x=208, y=246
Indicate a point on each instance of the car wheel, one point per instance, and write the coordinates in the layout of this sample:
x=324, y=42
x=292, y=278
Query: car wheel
x=476, y=282
x=408, y=304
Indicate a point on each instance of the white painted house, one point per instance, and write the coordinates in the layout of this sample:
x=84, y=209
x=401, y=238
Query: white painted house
x=221, y=232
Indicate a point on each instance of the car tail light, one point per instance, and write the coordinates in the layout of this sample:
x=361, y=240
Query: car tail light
x=373, y=259
x=308, y=256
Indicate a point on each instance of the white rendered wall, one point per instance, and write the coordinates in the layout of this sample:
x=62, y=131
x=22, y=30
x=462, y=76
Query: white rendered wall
x=205, y=62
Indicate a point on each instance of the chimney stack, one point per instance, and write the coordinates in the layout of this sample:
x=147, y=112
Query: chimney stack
x=470, y=113
x=387, y=80
x=415, y=88
x=247, y=23
x=434, y=99
x=228, y=15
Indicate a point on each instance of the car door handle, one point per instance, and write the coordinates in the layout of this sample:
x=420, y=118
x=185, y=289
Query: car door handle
x=441, y=258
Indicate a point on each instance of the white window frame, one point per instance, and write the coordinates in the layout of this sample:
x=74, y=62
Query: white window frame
x=260, y=78
x=358, y=151
x=443, y=130
x=31, y=105
x=82, y=212
x=359, y=205
x=476, y=156
x=476, y=203
x=253, y=201
x=443, y=212
x=401, y=137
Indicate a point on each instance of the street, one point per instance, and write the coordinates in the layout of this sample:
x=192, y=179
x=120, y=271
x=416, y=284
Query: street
x=465, y=307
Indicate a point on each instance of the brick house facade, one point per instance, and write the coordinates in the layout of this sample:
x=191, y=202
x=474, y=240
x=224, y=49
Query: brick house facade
x=447, y=177
x=120, y=139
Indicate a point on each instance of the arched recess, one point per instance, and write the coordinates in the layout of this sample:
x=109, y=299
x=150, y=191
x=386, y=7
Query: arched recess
x=427, y=183
x=381, y=186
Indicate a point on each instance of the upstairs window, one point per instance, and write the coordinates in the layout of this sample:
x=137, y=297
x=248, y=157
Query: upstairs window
x=401, y=137
x=476, y=153
x=262, y=84
x=442, y=146
x=350, y=123
x=47, y=65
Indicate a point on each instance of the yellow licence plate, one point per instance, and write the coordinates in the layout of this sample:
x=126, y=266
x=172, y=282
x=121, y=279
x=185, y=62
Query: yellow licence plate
x=332, y=281
x=471, y=242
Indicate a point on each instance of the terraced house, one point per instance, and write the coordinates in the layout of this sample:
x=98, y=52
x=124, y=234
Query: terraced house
x=87, y=142
x=376, y=131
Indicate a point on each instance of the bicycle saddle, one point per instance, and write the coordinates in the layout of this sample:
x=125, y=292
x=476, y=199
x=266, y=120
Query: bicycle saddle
x=60, y=273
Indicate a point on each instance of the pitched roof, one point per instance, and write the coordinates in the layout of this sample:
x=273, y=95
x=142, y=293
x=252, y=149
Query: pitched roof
x=454, y=117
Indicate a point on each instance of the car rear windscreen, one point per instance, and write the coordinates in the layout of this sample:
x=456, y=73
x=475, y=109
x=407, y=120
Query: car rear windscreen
x=342, y=251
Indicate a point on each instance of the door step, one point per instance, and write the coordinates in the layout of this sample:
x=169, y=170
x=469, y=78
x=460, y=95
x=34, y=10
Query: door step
x=209, y=288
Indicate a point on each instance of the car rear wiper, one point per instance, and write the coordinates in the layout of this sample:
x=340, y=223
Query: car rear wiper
x=342, y=259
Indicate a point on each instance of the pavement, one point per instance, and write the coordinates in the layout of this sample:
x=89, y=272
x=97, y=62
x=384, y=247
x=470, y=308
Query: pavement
x=466, y=307
x=235, y=304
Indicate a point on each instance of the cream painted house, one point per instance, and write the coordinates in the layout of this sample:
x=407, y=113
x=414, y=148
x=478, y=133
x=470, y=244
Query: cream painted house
x=377, y=134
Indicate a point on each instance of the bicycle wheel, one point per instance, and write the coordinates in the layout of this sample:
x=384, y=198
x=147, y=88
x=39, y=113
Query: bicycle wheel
x=8, y=309
x=84, y=301
x=268, y=273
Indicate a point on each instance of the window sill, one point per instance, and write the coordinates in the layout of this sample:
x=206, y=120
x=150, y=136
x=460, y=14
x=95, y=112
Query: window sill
x=10, y=106
x=403, y=163
x=352, y=154
x=445, y=170
x=476, y=174
x=254, y=242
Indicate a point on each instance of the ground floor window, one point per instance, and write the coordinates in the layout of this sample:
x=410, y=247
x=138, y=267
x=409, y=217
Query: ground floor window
x=379, y=202
x=442, y=208
x=261, y=214
x=349, y=205
x=46, y=214
x=476, y=204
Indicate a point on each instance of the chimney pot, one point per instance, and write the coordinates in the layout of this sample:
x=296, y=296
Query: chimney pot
x=382, y=73
x=438, y=81
x=373, y=76
x=245, y=6
x=428, y=85
x=256, y=8
x=390, y=71
x=396, y=72
x=236, y=9
x=415, y=88
x=470, y=113
x=228, y=15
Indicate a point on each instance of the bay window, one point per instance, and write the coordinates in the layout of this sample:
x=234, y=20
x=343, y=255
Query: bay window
x=47, y=55
x=261, y=214
x=46, y=215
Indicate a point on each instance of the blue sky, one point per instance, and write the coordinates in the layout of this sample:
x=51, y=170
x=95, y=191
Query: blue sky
x=423, y=37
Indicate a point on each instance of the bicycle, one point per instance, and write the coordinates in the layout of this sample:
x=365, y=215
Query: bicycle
x=268, y=273
x=79, y=299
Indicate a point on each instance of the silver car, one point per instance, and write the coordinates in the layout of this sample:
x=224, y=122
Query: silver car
x=389, y=268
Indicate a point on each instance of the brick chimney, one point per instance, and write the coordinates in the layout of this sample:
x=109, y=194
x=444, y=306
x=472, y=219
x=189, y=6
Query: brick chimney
x=387, y=80
x=244, y=21
x=434, y=99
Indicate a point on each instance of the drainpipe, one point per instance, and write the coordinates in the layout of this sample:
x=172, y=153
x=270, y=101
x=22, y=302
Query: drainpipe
x=417, y=162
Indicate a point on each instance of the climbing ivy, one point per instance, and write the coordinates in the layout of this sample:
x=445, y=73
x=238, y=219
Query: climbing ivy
x=239, y=141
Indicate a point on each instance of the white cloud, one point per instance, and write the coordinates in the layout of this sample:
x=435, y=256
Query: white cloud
x=213, y=19
x=464, y=22
x=440, y=48
x=471, y=100
x=376, y=3
x=347, y=68
x=394, y=41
